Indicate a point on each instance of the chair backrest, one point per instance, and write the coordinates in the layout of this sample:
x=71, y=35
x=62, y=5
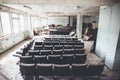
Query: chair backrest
x=47, y=42
x=79, y=43
x=44, y=69
x=61, y=70
x=75, y=39
x=79, y=51
x=41, y=59
x=70, y=43
x=68, y=47
x=48, y=47
x=45, y=52
x=26, y=59
x=67, y=58
x=25, y=50
x=80, y=58
x=58, y=52
x=38, y=47
x=94, y=69
x=55, y=59
x=57, y=47
x=63, y=42
x=34, y=52
x=48, y=39
x=68, y=51
x=78, y=47
x=38, y=43
x=68, y=39
x=55, y=42
x=27, y=69
x=61, y=39
x=55, y=39
x=78, y=69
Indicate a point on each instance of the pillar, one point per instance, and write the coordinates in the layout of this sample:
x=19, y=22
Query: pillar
x=79, y=26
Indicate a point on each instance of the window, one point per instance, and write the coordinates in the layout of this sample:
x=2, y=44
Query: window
x=5, y=21
x=15, y=20
x=35, y=22
x=16, y=25
x=0, y=29
x=22, y=24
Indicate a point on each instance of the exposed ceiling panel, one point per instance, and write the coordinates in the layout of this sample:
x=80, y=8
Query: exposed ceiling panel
x=59, y=7
x=62, y=2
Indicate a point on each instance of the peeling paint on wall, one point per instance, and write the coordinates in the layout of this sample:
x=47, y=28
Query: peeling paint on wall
x=11, y=40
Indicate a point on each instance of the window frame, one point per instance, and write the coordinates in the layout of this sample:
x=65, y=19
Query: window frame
x=2, y=23
x=15, y=18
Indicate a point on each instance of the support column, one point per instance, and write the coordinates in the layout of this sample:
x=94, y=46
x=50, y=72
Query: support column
x=79, y=26
x=71, y=20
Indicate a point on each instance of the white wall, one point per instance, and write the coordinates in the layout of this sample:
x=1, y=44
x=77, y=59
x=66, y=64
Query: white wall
x=108, y=33
x=90, y=19
x=58, y=20
x=11, y=40
x=103, y=32
x=113, y=35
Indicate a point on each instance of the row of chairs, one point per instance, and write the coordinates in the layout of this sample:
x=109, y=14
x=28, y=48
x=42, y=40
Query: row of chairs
x=63, y=70
x=58, y=43
x=61, y=39
x=25, y=49
x=55, y=59
x=56, y=52
x=51, y=47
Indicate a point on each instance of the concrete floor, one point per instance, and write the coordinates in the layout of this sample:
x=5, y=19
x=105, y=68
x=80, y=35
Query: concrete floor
x=9, y=70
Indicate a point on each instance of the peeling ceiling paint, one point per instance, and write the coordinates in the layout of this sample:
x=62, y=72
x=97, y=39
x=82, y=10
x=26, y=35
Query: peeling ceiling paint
x=59, y=7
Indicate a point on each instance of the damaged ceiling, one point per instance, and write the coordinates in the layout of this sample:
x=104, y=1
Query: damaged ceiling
x=59, y=7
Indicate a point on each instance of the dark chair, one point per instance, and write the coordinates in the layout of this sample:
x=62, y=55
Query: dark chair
x=63, y=42
x=55, y=59
x=78, y=46
x=26, y=59
x=34, y=52
x=48, y=47
x=28, y=71
x=71, y=43
x=80, y=58
x=78, y=70
x=67, y=58
x=55, y=42
x=38, y=47
x=79, y=51
x=48, y=39
x=38, y=43
x=47, y=42
x=45, y=52
x=68, y=47
x=44, y=69
x=58, y=52
x=61, y=70
x=69, y=51
x=79, y=43
x=58, y=47
x=55, y=39
x=23, y=51
x=75, y=39
x=41, y=59
x=68, y=39
x=95, y=70
x=61, y=39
